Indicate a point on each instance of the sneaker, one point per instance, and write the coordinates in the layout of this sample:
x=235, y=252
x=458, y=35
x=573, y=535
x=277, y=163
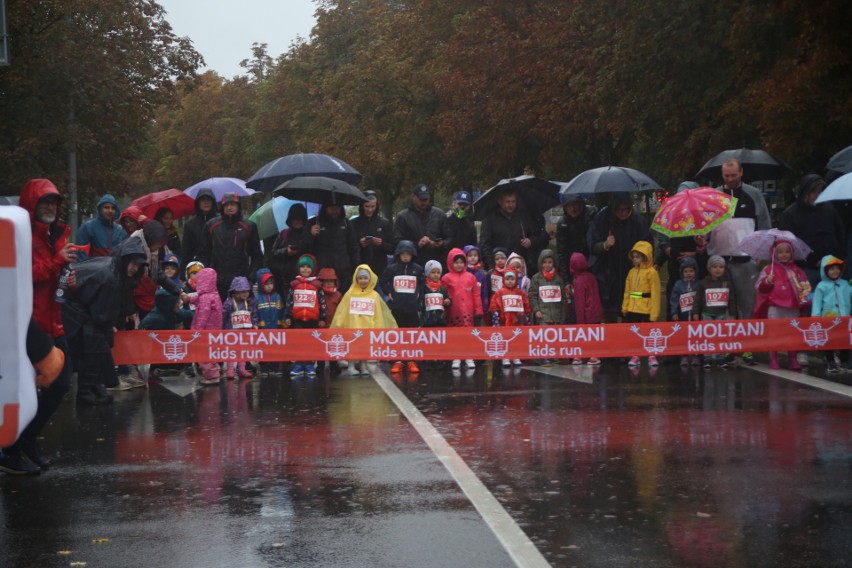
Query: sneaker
x=16, y=464
x=456, y=364
x=517, y=362
x=546, y=363
x=413, y=368
x=205, y=382
x=310, y=370
x=506, y=363
x=723, y=364
x=832, y=367
x=122, y=385
x=577, y=361
x=397, y=368
x=748, y=358
x=245, y=374
x=652, y=361
x=684, y=361
x=135, y=381
x=695, y=361
x=634, y=361
x=708, y=363
x=594, y=361
x=189, y=371
x=470, y=364
x=802, y=359
x=297, y=370
x=231, y=374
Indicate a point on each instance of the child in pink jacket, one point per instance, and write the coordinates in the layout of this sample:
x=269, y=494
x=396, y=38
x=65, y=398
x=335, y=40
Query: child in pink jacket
x=464, y=293
x=586, y=297
x=208, y=315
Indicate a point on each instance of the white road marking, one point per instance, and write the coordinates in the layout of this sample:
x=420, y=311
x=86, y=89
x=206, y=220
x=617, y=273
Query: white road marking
x=519, y=546
x=803, y=379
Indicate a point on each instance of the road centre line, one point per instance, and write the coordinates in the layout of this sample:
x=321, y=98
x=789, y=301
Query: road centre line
x=519, y=546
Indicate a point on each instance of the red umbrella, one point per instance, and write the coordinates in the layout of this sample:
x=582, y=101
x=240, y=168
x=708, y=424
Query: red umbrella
x=181, y=204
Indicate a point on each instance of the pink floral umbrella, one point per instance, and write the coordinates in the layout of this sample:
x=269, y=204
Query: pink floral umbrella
x=693, y=212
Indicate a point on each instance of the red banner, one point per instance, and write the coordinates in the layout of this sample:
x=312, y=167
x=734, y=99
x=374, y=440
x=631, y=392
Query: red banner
x=434, y=343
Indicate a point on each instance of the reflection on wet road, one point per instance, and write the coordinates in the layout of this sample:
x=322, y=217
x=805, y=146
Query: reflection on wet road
x=600, y=467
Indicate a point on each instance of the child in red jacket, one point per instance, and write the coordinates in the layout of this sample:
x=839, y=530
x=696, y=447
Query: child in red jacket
x=586, y=298
x=466, y=298
x=305, y=307
x=510, y=306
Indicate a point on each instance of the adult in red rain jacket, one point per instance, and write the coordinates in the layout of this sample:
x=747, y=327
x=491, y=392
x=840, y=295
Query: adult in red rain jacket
x=51, y=252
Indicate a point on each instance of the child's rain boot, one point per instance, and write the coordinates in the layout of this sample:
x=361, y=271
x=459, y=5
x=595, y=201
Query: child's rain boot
x=792, y=357
x=773, y=360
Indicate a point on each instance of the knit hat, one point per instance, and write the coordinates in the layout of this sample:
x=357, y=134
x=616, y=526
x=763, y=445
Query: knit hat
x=307, y=259
x=362, y=272
x=502, y=251
x=155, y=233
x=432, y=265
x=510, y=272
x=715, y=260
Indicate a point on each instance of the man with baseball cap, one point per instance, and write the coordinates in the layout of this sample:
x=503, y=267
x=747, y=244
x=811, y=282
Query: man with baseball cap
x=425, y=225
x=460, y=221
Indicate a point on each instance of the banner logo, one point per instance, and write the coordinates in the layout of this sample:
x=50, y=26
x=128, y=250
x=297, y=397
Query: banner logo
x=815, y=335
x=174, y=348
x=496, y=346
x=655, y=342
x=337, y=347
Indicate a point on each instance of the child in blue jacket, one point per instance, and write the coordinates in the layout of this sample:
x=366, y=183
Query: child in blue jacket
x=833, y=297
x=270, y=311
x=682, y=299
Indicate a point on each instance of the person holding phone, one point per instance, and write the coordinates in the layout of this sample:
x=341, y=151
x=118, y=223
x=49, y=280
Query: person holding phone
x=373, y=233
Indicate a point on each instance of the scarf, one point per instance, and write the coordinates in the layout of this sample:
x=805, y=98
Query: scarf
x=549, y=274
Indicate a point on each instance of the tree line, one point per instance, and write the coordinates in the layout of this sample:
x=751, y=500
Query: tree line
x=456, y=94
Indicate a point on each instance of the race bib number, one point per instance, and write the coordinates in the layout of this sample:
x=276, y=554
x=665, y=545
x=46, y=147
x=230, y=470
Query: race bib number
x=550, y=294
x=716, y=297
x=362, y=307
x=686, y=301
x=496, y=282
x=304, y=298
x=241, y=319
x=433, y=301
x=405, y=284
x=513, y=303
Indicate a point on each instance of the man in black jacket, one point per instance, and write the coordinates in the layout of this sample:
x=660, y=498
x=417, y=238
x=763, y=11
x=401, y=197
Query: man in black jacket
x=460, y=221
x=333, y=244
x=425, y=225
x=819, y=225
x=205, y=210
x=230, y=245
x=511, y=228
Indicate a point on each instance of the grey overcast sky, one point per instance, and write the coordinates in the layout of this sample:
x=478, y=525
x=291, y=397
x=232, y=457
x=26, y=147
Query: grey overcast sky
x=223, y=30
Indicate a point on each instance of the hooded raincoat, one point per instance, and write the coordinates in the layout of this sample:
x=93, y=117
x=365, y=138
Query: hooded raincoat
x=464, y=293
x=101, y=234
x=832, y=297
x=642, y=287
x=363, y=308
x=546, y=292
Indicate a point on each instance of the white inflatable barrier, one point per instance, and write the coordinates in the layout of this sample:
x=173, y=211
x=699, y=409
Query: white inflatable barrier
x=18, y=400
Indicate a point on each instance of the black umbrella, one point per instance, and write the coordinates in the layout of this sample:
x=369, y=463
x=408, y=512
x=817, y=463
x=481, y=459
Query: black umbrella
x=757, y=165
x=609, y=179
x=535, y=195
x=322, y=190
x=283, y=169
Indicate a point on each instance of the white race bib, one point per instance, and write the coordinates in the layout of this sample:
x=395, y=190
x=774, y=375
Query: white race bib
x=362, y=306
x=241, y=319
x=496, y=282
x=550, y=294
x=513, y=303
x=686, y=300
x=405, y=284
x=304, y=298
x=716, y=297
x=434, y=301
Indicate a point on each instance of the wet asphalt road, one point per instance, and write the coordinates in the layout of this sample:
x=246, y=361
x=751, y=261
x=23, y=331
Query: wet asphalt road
x=599, y=467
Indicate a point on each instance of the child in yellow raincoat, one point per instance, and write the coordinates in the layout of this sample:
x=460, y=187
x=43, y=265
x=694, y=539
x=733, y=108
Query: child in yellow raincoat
x=641, y=291
x=363, y=308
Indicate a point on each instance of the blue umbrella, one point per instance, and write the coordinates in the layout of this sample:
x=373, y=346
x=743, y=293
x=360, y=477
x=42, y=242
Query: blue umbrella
x=219, y=187
x=284, y=169
x=838, y=190
x=271, y=217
